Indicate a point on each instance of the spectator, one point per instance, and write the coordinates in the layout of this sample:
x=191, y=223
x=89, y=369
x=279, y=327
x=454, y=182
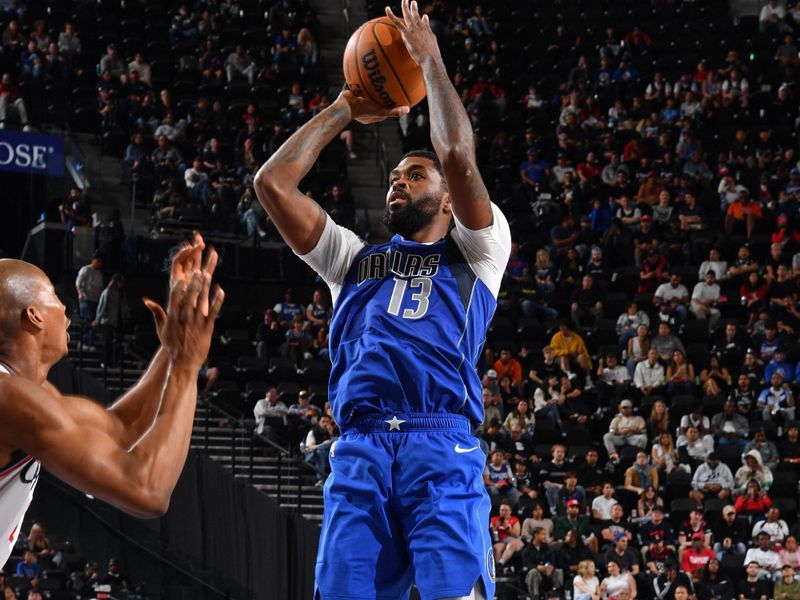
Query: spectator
x=705, y=298
x=506, y=530
x=625, y=429
x=89, y=285
x=118, y=581
x=712, y=479
x=28, y=567
x=665, y=343
x=270, y=413
x=656, y=529
x=730, y=429
x=773, y=525
x=695, y=558
x=112, y=63
x=573, y=520
x=613, y=381
x=585, y=584
x=680, y=375
x=764, y=556
x=499, y=479
x=287, y=309
x=663, y=454
x=648, y=376
x=539, y=561
x=752, y=469
x=12, y=103
x=789, y=554
x=753, y=586
x=743, y=215
x=641, y=475
x=787, y=587
x=673, y=292
x=771, y=18
x=570, y=348
x=776, y=402
x=112, y=313
x=730, y=534
x=628, y=322
x=602, y=504
x=616, y=581
x=693, y=450
x=317, y=447
x=754, y=502
x=305, y=412
x=537, y=520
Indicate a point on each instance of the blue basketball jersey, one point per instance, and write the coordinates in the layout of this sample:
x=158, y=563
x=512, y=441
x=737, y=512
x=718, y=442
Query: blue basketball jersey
x=407, y=329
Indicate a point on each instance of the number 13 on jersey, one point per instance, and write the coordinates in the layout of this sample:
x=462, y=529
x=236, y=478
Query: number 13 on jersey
x=423, y=285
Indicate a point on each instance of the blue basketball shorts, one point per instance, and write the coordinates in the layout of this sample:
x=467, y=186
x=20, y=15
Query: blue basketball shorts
x=405, y=503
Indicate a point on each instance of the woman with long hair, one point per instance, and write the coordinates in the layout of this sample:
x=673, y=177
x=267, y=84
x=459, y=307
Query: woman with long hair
x=680, y=375
x=664, y=455
x=715, y=379
x=544, y=273
x=714, y=584
x=522, y=416
x=638, y=346
x=648, y=499
x=616, y=581
x=658, y=421
x=586, y=584
x=535, y=521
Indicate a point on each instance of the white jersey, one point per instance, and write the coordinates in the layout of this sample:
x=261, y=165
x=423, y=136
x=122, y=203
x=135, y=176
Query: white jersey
x=17, y=483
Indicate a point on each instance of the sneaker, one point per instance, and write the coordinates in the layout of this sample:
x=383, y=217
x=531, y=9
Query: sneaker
x=352, y=156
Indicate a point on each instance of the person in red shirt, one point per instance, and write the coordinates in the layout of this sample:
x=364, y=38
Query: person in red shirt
x=508, y=365
x=11, y=101
x=697, y=555
x=505, y=529
x=743, y=212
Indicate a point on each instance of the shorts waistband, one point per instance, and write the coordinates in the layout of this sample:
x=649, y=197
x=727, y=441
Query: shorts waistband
x=407, y=422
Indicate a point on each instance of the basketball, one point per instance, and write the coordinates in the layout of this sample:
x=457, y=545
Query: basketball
x=377, y=66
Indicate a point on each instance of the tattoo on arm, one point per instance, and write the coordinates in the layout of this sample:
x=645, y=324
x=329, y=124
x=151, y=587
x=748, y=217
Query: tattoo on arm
x=301, y=150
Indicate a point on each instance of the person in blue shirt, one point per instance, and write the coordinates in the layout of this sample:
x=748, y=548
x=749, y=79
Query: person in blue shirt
x=28, y=567
x=405, y=501
x=779, y=364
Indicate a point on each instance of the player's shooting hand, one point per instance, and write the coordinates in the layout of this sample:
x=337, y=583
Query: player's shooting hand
x=189, y=323
x=416, y=31
x=365, y=111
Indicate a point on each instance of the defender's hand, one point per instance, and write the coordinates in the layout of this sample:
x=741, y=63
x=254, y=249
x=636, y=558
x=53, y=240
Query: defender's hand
x=365, y=111
x=187, y=331
x=416, y=31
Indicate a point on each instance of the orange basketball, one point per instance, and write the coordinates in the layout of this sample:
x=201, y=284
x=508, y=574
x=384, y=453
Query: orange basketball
x=378, y=66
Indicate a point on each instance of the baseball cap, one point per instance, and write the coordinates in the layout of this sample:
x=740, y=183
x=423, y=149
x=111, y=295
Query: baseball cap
x=728, y=510
x=303, y=393
x=619, y=535
x=783, y=218
x=625, y=403
x=697, y=536
x=573, y=502
x=491, y=373
x=647, y=218
x=658, y=508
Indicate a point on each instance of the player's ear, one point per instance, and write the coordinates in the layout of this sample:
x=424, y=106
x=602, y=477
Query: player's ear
x=447, y=208
x=32, y=318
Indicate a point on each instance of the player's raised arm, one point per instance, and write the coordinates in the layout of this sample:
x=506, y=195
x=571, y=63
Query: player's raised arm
x=298, y=218
x=140, y=480
x=451, y=131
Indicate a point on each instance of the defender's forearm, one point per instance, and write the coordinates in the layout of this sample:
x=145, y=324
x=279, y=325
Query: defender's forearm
x=294, y=159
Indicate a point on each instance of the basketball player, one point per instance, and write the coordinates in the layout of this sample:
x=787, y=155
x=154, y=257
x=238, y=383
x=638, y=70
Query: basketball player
x=405, y=500
x=130, y=455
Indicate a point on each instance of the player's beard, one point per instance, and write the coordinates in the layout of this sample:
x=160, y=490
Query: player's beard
x=415, y=215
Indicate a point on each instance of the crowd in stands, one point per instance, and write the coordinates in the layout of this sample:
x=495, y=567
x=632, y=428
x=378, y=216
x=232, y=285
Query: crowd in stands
x=193, y=97
x=46, y=569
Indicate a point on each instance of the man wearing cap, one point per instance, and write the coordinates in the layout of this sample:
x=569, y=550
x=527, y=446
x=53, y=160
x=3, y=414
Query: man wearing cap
x=768, y=560
x=705, y=297
x=625, y=429
x=656, y=556
x=303, y=411
x=575, y=520
x=712, y=479
x=697, y=555
x=730, y=533
x=656, y=527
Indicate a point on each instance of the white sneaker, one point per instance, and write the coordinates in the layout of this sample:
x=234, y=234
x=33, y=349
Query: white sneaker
x=352, y=156
x=27, y=128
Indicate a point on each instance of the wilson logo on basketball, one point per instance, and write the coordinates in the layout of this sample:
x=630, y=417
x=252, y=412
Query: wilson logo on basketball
x=376, y=78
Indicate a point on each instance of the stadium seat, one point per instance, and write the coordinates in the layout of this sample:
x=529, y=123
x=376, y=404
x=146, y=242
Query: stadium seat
x=784, y=485
x=679, y=510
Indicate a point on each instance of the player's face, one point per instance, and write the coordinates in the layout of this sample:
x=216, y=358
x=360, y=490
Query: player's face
x=415, y=196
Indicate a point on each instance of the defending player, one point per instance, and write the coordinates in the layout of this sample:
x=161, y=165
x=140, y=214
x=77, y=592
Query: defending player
x=405, y=501
x=130, y=455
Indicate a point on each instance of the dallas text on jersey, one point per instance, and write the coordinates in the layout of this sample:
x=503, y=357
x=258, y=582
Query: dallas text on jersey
x=378, y=264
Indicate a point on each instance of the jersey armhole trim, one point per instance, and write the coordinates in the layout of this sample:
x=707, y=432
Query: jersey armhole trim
x=15, y=464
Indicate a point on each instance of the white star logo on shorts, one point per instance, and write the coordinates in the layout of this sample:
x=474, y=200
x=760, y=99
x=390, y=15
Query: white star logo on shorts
x=394, y=423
